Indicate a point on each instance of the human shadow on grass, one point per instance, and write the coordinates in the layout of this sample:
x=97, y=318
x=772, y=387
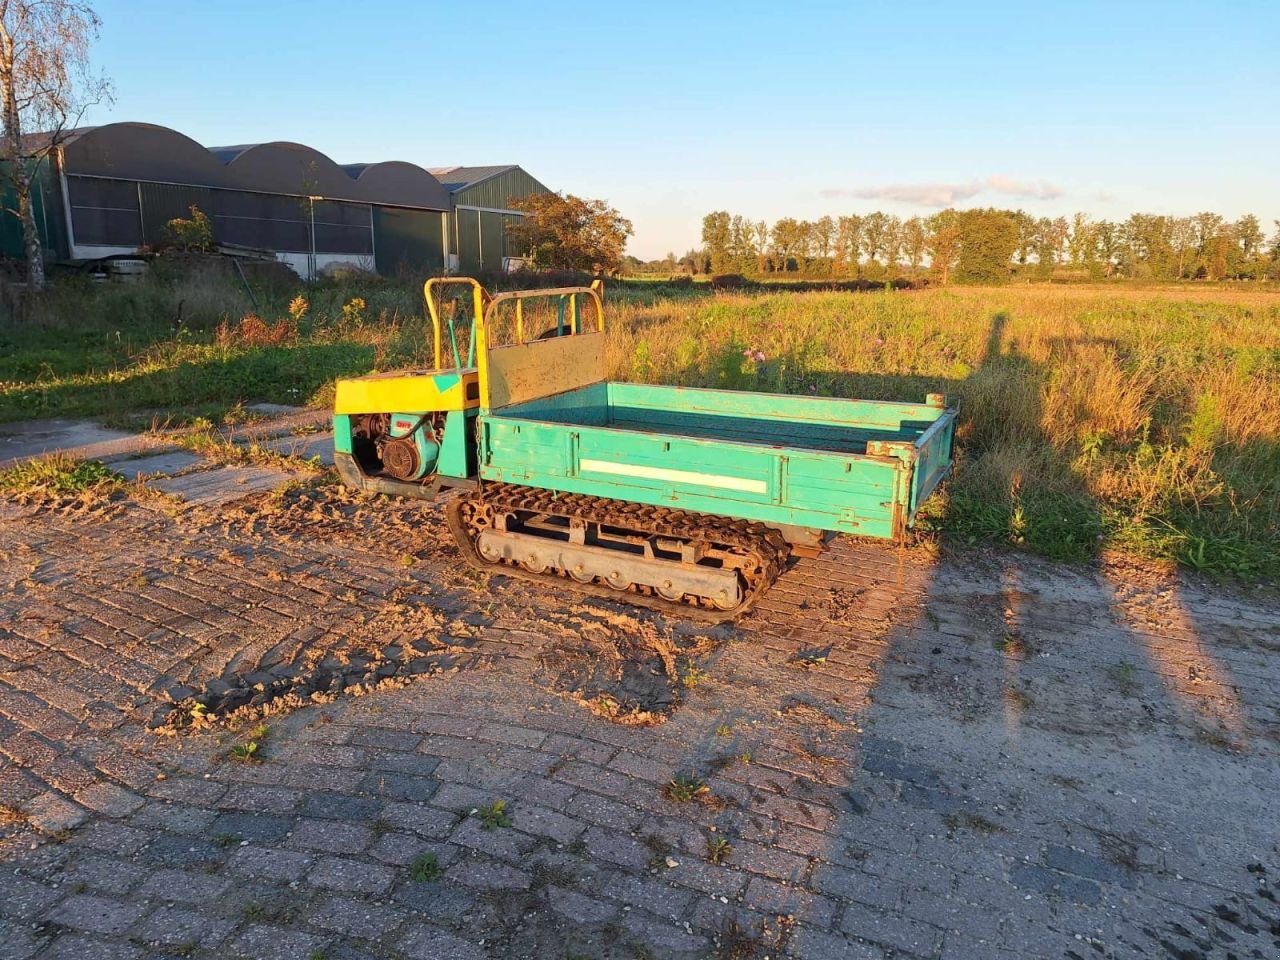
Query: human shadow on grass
x=827, y=791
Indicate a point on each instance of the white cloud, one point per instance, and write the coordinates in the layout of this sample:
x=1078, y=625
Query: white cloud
x=920, y=194
x=948, y=194
x=1040, y=190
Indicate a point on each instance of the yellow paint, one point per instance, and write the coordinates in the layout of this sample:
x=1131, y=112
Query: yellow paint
x=533, y=369
x=408, y=391
x=479, y=297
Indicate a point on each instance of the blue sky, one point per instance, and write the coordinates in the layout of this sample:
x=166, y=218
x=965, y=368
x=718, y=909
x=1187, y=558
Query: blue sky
x=670, y=110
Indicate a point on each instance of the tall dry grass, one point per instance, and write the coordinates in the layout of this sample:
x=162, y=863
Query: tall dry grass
x=1148, y=420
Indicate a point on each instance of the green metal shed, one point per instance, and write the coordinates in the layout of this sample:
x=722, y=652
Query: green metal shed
x=407, y=242
x=480, y=200
x=45, y=201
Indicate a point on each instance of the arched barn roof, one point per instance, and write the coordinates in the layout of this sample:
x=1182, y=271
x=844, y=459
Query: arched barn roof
x=144, y=151
x=401, y=179
x=284, y=167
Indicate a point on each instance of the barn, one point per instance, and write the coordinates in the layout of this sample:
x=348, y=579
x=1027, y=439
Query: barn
x=480, y=209
x=112, y=189
x=45, y=207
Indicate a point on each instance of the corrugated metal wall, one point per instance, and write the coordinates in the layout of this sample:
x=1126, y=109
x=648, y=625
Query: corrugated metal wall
x=126, y=213
x=493, y=241
x=43, y=198
x=162, y=202
x=50, y=216
x=263, y=220
x=467, y=236
x=408, y=242
x=105, y=212
x=497, y=192
x=481, y=239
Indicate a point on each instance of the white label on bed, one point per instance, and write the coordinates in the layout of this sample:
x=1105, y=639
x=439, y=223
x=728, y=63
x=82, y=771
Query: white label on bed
x=675, y=476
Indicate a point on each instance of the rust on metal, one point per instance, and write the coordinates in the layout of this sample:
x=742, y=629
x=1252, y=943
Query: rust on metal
x=674, y=543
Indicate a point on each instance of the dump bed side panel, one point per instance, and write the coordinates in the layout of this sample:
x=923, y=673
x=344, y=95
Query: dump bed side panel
x=853, y=494
x=867, y=414
x=587, y=405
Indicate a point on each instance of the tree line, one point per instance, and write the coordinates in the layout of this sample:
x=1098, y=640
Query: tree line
x=984, y=246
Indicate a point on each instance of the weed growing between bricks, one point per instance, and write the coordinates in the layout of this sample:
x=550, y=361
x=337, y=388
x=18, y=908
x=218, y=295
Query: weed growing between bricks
x=718, y=849
x=737, y=941
x=685, y=787
x=494, y=815
x=426, y=868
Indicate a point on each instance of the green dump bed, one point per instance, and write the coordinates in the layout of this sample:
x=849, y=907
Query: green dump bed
x=855, y=466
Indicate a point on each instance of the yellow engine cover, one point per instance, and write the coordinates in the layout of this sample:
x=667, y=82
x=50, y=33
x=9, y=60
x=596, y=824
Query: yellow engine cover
x=408, y=391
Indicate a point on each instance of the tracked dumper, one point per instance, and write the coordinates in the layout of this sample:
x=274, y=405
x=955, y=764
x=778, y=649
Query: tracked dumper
x=684, y=500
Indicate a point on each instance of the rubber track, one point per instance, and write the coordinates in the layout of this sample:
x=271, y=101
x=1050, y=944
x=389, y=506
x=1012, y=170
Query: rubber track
x=743, y=536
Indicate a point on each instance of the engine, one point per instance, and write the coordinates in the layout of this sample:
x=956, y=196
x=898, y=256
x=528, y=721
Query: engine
x=405, y=445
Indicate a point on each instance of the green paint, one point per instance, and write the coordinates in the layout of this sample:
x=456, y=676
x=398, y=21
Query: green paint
x=777, y=459
x=342, y=434
x=457, y=451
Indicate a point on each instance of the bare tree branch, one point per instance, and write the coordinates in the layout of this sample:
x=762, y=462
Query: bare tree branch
x=45, y=88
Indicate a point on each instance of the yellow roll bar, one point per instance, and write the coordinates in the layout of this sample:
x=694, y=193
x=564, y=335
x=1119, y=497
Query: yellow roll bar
x=479, y=298
x=519, y=296
x=593, y=294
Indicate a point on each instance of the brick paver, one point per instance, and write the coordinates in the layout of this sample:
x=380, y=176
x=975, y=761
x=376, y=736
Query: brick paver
x=903, y=755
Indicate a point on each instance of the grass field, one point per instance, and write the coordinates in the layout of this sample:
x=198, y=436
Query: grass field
x=1091, y=418
x=1144, y=420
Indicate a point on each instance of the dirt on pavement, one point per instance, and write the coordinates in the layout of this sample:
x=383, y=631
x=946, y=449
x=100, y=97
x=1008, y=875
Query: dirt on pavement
x=898, y=754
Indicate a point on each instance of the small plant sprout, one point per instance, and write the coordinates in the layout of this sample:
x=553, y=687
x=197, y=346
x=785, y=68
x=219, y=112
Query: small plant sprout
x=494, y=815
x=250, y=750
x=1012, y=644
x=685, y=787
x=660, y=851
x=693, y=676
x=425, y=868
x=812, y=657
x=718, y=849
x=1124, y=676
x=246, y=752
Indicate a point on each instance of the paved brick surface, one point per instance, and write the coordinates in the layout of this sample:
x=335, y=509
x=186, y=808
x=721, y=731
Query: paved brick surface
x=905, y=756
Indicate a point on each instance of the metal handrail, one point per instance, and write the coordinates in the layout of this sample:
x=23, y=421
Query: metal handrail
x=593, y=293
x=480, y=296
